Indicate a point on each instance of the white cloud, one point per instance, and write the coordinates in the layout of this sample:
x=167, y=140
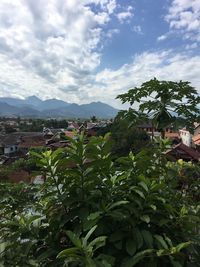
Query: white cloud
x=137, y=29
x=112, y=32
x=184, y=17
x=162, y=37
x=191, y=46
x=111, y=6
x=56, y=41
x=164, y=65
x=125, y=15
x=51, y=49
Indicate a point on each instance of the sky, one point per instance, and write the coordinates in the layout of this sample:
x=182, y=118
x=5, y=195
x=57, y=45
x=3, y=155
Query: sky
x=82, y=51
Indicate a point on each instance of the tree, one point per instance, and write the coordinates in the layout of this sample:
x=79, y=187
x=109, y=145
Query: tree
x=125, y=136
x=93, y=119
x=164, y=101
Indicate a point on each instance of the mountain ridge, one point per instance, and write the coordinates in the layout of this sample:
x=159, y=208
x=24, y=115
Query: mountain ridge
x=35, y=107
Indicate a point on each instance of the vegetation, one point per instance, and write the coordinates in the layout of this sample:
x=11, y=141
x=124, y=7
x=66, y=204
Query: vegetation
x=163, y=101
x=30, y=125
x=125, y=136
x=93, y=211
x=98, y=211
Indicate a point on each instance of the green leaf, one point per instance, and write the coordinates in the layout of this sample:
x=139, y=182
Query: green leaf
x=97, y=242
x=144, y=186
x=145, y=218
x=140, y=193
x=85, y=239
x=94, y=215
x=181, y=246
x=116, y=204
x=131, y=246
x=161, y=240
x=69, y=252
x=138, y=236
x=147, y=236
x=74, y=239
x=138, y=257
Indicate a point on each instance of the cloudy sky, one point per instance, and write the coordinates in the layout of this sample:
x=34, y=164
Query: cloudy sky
x=92, y=50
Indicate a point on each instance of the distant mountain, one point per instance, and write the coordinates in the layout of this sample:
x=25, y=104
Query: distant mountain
x=52, y=104
x=8, y=110
x=33, y=101
x=100, y=108
x=12, y=101
x=35, y=107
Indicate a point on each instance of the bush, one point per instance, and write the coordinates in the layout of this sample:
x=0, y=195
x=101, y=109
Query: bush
x=93, y=211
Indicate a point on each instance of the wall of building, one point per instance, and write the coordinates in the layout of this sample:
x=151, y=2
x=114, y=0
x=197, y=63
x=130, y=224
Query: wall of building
x=186, y=137
x=197, y=130
x=10, y=149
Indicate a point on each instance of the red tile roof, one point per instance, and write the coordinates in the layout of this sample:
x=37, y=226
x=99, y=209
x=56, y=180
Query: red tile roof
x=182, y=151
x=196, y=139
x=32, y=141
x=70, y=134
x=172, y=135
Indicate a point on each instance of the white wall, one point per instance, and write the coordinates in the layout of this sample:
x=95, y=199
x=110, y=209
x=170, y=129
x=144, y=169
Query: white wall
x=10, y=149
x=186, y=137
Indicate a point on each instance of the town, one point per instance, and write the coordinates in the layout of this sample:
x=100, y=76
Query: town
x=99, y=133
x=15, y=144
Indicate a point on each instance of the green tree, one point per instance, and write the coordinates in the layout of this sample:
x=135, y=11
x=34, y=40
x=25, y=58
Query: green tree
x=125, y=136
x=93, y=211
x=93, y=119
x=163, y=101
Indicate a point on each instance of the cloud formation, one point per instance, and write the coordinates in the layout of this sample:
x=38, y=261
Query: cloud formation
x=184, y=18
x=56, y=41
x=164, y=65
x=126, y=14
x=53, y=48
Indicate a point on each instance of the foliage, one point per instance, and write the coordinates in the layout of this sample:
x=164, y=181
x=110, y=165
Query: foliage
x=161, y=99
x=25, y=164
x=93, y=211
x=5, y=172
x=94, y=119
x=126, y=137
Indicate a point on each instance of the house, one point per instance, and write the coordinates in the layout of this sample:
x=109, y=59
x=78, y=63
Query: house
x=73, y=126
x=197, y=128
x=70, y=134
x=92, y=129
x=31, y=141
x=186, y=137
x=153, y=131
x=49, y=132
x=184, y=152
x=196, y=141
x=10, y=143
x=173, y=136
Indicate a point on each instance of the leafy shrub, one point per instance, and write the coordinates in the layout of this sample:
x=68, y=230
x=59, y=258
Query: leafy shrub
x=93, y=211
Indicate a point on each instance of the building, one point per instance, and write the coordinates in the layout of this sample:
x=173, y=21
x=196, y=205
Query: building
x=196, y=141
x=197, y=129
x=184, y=152
x=10, y=143
x=186, y=137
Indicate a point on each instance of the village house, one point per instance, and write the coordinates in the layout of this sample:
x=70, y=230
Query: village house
x=12, y=143
x=196, y=141
x=184, y=152
x=153, y=132
x=197, y=129
x=31, y=141
x=186, y=137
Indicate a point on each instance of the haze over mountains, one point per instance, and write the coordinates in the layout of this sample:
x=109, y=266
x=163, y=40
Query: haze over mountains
x=35, y=107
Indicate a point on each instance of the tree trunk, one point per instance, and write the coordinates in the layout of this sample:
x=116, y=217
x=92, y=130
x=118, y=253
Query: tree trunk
x=163, y=133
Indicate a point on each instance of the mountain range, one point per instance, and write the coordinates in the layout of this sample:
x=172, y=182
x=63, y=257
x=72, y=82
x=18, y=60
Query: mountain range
x=53, y=108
